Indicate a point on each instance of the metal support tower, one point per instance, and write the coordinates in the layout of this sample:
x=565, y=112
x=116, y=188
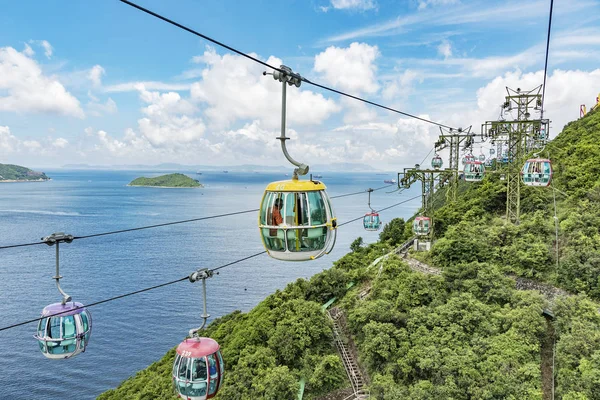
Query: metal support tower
x=454, y=140
x=428, y=179
x=522, y=136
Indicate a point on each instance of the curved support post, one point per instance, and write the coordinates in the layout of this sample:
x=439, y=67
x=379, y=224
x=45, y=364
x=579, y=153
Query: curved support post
x=201, y=274
x=285, y=75
x=370, y=190
x=66, y=298
x=52, y=240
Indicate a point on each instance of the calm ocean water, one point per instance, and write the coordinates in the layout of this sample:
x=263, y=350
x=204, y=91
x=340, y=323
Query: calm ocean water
x=129, y=334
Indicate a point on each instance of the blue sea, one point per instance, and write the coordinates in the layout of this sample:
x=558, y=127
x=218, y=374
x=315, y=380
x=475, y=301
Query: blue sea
x=131, y=333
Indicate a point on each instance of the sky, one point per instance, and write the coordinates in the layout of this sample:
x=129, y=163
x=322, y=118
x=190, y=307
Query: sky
x=102, y=83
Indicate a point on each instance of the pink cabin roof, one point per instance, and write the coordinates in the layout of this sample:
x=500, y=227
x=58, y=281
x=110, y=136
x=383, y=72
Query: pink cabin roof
x=422, y=218
x=374, y=214
x=197, y=347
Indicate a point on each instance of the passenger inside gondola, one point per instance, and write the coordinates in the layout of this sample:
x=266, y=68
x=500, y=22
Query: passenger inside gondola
x=199, y=369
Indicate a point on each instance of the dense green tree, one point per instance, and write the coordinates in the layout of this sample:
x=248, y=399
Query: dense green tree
x=395, y=232
x=356, y=245
x=464, y=334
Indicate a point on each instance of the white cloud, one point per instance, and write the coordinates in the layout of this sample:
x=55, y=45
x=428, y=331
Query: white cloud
x=490, y=66
x=96, y=108
x=112, y=145
x=149, y=85
x=234, y=88
x=47, y=48
x=565, y=91
x=352, y=69
x=95, y=75
x=60, y=143
x=11, y=144
x=432, y=3
x=32, y=145
x=384, y=144
x=8, y=142
x=357, y=111
x=484, y=13
x=361, y=5
x=401, y=85
x=28, y=51
x=29, y=90
x=168, y=120
x=445, y=49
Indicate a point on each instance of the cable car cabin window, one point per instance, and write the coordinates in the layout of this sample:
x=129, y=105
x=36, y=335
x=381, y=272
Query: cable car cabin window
x=296, y=209
x=199, y=369
x=176, y=365
x=86, y=325
x=199, y=377
x=184, y=370
x=329, y=206
x=42, y=328
x=272, y=211
x=214, y=374
x=318, y=214
x=54, y=331
x=69, y=334
x=310, y=239
x=221, y=368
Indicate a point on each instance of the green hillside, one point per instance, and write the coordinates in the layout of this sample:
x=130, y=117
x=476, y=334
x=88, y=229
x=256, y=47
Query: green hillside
x=9, y=172
x=169, y=180
x=458, y=323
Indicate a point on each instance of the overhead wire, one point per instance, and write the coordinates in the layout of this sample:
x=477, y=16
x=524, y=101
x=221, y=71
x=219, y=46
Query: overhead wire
x=171, y=223
x=546, y=62
x=227, y=214
x=173, y=281
x=382, y=209
x=255, y=59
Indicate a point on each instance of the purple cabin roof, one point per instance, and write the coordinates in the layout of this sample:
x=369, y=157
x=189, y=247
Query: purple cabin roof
x=71, y=308
x=197, y=347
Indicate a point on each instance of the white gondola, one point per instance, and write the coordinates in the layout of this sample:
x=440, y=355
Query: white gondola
x=474, y=171
x=437, y=162
x=65, y=328
x=422, y=226
x=537, y=172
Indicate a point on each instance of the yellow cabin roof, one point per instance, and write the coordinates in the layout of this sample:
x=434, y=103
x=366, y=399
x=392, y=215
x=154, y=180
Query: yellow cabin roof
x=295, y=186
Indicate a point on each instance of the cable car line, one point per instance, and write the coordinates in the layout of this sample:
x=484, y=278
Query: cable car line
x=383, y=209
x=171, y=282
x=138, y=228
x=546, y=63
x=12, y=246
x=361, y=192
x=129, y=294
x=165, y=224
x=169, y=223
x=282, y=71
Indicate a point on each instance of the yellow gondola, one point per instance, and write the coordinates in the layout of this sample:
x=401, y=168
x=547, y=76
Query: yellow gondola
x=296, y=219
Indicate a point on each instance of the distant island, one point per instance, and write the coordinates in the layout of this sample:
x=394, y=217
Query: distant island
x=17, y=173
x=167, y=181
